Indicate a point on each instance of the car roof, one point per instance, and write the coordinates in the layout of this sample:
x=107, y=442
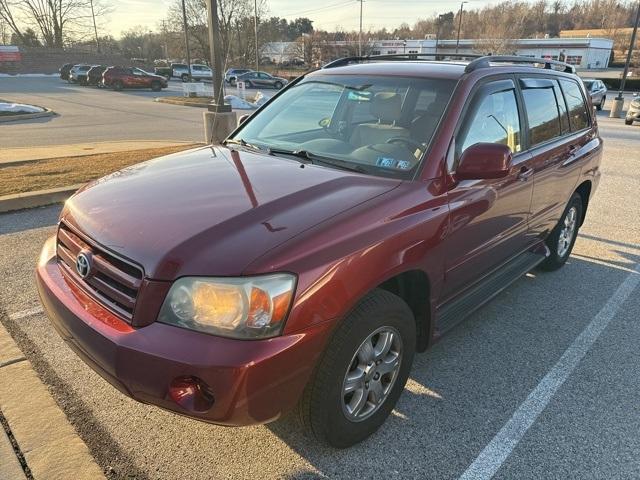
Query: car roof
x=452, y=70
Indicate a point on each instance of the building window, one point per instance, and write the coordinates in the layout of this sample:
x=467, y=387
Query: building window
x=375, y=52
x=391, y=52
x=413, y=51
x=574, y=59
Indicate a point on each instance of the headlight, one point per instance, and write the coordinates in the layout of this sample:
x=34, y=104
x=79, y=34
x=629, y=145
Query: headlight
x=248, y=307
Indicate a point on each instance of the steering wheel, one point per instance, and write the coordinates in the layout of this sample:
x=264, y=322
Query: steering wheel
x=406, y=141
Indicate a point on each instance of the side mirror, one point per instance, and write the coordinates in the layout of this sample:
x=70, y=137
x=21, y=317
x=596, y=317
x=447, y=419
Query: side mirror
x=243, y=118
x=484, y=161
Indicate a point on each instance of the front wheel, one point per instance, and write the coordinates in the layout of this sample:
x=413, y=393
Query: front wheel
x=278, y=85
x=117, y=85
x=628, y=121
x=563, y=236
x=156, y=86
x=185, y=77
x=362, y=373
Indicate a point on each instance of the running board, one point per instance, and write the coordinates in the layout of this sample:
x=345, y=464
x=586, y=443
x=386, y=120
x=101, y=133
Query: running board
x=453, y=312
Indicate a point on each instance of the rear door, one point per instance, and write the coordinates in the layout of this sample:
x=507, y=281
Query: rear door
x=558, y=125
x=489, y=218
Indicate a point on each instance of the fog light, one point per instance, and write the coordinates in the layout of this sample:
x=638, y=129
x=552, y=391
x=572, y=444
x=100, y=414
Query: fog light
x=191, y=393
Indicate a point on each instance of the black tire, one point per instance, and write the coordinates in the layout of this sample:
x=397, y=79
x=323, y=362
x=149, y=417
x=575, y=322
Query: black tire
x=321, y=407
x=628, y=122
x=278, y=85
x=557, y=259
x=599, y=106
x=248, y=84
x=184, y=77
x=117, y=85
x=156, y=86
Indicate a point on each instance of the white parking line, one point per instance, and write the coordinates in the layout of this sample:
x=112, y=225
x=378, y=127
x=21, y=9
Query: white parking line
x=25, y=313
x=498, y=450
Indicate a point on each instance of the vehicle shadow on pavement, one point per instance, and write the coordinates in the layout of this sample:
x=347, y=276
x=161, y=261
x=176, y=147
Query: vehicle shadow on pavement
x=462, y=391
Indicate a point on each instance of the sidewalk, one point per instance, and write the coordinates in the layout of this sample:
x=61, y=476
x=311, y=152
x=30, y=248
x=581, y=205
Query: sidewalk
x=27, y=154
x=48, y=445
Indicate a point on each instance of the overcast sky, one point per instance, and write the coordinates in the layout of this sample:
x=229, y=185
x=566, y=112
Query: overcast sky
x=328, y=15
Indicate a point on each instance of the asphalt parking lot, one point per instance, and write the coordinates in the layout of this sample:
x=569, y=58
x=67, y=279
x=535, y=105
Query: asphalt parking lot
x=541, y=383
x=91, y=114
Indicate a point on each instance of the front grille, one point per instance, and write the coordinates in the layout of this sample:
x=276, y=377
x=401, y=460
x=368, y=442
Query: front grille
x=112, y=281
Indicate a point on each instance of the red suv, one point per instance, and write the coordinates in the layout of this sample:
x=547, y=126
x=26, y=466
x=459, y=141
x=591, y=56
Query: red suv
x=123, y=77
x=364, y=211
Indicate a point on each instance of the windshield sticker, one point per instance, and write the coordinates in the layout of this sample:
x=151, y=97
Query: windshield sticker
x=404, y=165
x=386, y=162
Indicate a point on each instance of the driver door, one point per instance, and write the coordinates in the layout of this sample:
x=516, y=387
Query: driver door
x=488, y=218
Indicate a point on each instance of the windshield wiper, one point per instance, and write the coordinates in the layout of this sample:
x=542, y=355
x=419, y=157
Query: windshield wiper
x=318, y=159
x=244, y=143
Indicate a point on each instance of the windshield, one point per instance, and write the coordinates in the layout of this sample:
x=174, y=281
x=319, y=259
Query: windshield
x=380, y=124
x=588, y=84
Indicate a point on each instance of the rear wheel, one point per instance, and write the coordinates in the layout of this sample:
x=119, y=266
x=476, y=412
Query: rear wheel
x=362, y=373
x=156, y=86
x=563, y=236
x=185, y=77
x=117, y=85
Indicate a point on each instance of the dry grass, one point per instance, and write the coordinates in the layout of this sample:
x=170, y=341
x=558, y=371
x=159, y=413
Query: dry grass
x=61, y=172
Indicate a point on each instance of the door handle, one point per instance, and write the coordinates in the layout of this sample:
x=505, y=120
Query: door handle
x=573, y=149
x=525, y=174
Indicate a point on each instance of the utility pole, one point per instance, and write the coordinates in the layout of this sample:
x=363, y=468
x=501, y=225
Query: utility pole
x=218, y=104
x=618, y=102
x=255, y=26
x=459, y=25
x=186, y=38
x=360, y=34
x=95, y=28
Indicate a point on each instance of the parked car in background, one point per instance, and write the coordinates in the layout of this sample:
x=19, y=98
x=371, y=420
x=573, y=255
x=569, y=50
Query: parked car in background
x=261, y=79
x=78, y=74
x=119, y=78
x=345, y=226
x=198, y=72
x=597, y=91
x=633, y=114
x=94, y=74
x=64, y=71
x=231, y=75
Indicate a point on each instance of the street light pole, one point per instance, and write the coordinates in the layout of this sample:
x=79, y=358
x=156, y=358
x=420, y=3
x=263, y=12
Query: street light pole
x=459, y=25
x=95, y=28
x=186, y=38
x=255, y=26
x=360, y=34
x=218, y=104
x=618, y=102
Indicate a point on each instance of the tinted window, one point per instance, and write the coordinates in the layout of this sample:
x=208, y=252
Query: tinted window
x=578, y=116
x=562, y=108
x=542, y=114
x=493, y=119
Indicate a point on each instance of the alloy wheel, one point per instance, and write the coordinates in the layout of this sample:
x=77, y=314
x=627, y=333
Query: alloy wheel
x=567, y=231
x=371, y=374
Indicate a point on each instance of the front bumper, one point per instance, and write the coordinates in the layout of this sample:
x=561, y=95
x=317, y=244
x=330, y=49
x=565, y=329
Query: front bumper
x=251, y=381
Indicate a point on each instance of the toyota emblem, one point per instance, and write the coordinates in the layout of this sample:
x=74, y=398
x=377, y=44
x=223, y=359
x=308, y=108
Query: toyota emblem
x=83, y=264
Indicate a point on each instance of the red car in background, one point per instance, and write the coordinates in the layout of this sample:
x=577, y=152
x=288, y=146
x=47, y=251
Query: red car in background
x=346, y=225
x=131, y=77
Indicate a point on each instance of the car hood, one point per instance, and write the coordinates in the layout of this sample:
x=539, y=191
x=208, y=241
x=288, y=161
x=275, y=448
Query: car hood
x=212, y=211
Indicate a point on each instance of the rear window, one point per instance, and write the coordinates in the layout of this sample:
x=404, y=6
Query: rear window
x=578, y=113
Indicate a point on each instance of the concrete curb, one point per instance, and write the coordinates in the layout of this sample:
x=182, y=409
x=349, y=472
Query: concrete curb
x=39, y=198
x=51, y=447
x=28, y=116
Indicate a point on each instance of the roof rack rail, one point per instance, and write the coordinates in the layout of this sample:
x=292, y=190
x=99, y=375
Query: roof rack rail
x=341, y=62
x=486, y=61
